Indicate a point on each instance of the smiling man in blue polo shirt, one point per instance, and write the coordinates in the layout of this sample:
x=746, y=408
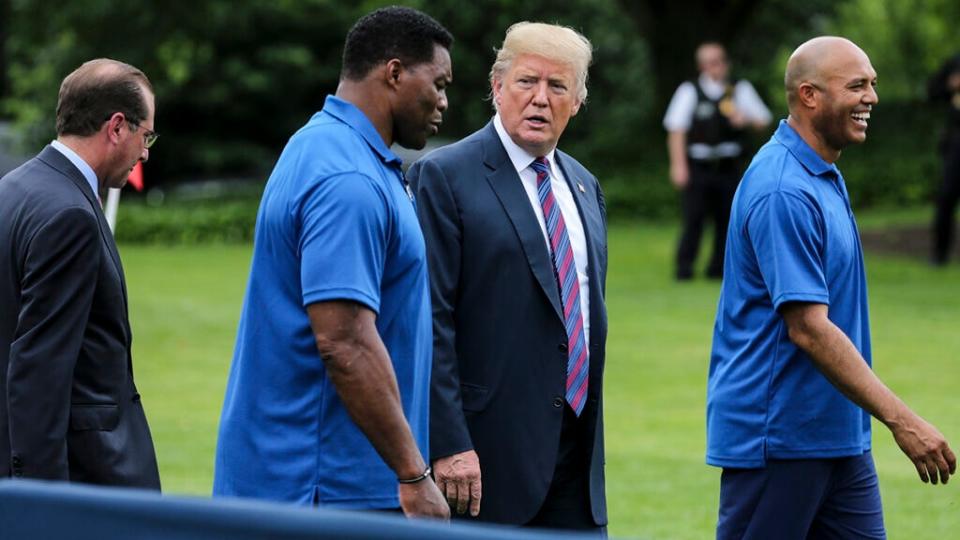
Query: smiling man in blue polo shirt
x=790, y=389
x=327, y=400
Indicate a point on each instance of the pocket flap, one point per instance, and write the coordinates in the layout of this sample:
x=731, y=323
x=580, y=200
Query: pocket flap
x=474, y=397
x=98, y=417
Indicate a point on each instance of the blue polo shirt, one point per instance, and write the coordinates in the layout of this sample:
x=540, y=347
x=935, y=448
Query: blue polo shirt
x=792, y=238
x=336, y=222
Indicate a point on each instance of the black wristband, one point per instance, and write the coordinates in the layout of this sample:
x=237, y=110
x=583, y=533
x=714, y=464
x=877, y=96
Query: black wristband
x=414, y=480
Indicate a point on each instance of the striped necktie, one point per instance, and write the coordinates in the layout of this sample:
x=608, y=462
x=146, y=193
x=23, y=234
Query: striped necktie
x=565, y=270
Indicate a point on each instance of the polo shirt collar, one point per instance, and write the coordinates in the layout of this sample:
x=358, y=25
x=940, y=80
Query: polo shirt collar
x=811, y=161
x=349, y=114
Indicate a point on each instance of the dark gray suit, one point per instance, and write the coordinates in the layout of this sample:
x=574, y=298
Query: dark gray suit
x=68, y=407
x=499, y=367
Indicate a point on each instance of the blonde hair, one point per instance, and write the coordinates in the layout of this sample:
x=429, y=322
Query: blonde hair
x=553, y=42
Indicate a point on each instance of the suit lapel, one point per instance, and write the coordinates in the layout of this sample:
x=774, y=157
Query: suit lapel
x=60, y=163
x=507, y=186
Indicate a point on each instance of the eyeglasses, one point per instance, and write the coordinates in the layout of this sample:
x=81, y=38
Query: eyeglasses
x=149, y=136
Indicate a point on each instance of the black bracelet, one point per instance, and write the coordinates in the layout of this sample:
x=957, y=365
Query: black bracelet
x=422, y=477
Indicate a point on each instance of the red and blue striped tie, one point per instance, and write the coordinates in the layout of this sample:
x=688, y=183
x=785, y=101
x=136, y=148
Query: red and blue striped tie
x=565, y=270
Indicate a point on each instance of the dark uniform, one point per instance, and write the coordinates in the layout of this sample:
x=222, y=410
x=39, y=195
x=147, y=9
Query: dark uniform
x=949, y=194
x=714, y=150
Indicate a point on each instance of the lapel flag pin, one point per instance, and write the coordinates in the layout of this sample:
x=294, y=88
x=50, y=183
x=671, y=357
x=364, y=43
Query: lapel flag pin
x=579, y=185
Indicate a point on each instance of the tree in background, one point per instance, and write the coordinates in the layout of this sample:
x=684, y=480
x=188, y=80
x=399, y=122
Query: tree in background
x=234, y=79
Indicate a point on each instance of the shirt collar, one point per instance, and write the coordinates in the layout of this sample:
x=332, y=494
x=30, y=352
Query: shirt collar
x=520, y=158
x=807, y=156
x=80, y=164
x=349, y=114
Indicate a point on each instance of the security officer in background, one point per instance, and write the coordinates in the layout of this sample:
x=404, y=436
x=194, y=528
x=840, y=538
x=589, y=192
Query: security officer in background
x=706, y=121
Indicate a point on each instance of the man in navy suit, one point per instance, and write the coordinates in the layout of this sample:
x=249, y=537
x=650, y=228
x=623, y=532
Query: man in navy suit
x=69, y=409
x=516, y=245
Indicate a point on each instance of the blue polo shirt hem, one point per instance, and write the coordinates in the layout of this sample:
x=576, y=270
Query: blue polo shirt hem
x=370, y=503
x=757, y=463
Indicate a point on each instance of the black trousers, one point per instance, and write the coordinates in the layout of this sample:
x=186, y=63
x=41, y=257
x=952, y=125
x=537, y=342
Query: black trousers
x=946, y=205
x=708, y=193
x=567, y=505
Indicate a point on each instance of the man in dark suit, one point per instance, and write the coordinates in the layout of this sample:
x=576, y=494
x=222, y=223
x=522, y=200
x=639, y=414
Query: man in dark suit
x=516, y=245
x=69, y=409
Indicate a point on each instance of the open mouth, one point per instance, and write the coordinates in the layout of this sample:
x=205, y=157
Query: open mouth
x=537, y=121
x=861, y=117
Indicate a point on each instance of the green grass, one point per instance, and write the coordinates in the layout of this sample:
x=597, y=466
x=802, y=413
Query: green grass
x=185, y=302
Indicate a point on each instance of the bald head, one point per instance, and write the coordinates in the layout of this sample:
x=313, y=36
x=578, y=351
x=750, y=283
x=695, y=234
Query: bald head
x=816, y=60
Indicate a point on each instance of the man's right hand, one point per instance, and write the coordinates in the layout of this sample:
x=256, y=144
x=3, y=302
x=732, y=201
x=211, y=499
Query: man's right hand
x=926, y=448
x=680, y=175
x=458, y=476
x=423, y=500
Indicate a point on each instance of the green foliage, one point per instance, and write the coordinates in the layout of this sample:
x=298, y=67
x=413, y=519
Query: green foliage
x=235, y=80
x=204, y=213
x=898, y=165
x=187, y=223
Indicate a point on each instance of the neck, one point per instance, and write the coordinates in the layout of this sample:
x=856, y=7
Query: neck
x=371, y=103
x=89, y=151
x=804, y=127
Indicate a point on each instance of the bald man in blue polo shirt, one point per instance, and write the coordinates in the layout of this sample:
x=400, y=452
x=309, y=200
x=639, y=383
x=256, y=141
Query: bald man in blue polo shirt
x=791, y=390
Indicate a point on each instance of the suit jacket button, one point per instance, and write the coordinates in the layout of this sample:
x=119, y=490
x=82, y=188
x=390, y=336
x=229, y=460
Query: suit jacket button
x=562, y=347
x=17, y=462
x=558, y=402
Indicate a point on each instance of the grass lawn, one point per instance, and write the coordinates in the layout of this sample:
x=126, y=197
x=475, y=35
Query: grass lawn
x=185, y=302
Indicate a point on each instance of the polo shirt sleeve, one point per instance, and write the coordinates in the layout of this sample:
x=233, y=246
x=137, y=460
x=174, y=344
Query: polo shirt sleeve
x=343, y=240
x=786, y=235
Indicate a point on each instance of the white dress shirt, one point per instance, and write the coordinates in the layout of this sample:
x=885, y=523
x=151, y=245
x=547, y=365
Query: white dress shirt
x=521, y=160
x=79, y=163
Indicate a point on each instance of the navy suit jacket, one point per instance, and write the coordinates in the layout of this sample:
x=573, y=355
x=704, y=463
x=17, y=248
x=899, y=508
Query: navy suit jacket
x=499, y=365
x=68, y=407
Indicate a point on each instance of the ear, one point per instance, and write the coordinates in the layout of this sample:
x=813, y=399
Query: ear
x=392, y=71
x=115, y=125
x=497, y=86
x=807, y=95
x=576, y=107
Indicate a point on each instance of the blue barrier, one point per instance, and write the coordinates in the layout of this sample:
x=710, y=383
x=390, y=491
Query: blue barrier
x=53, y=510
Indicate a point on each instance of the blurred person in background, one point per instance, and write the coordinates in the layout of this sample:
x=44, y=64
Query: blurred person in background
x=328, y=396
x=69, y=409
x=707, y=123
x=790, y=390
x=945, y=86
x=517, y=243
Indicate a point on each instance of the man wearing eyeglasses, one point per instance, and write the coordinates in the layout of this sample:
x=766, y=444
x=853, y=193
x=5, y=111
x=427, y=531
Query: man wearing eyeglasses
x=69, y=408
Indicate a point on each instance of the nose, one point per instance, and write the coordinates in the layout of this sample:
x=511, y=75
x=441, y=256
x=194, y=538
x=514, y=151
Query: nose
x=871, y=96
x=145, y=155
x=442, y=103
x=540, y=95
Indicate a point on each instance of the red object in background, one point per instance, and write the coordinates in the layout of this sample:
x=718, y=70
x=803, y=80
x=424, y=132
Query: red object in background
x=136, y=176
